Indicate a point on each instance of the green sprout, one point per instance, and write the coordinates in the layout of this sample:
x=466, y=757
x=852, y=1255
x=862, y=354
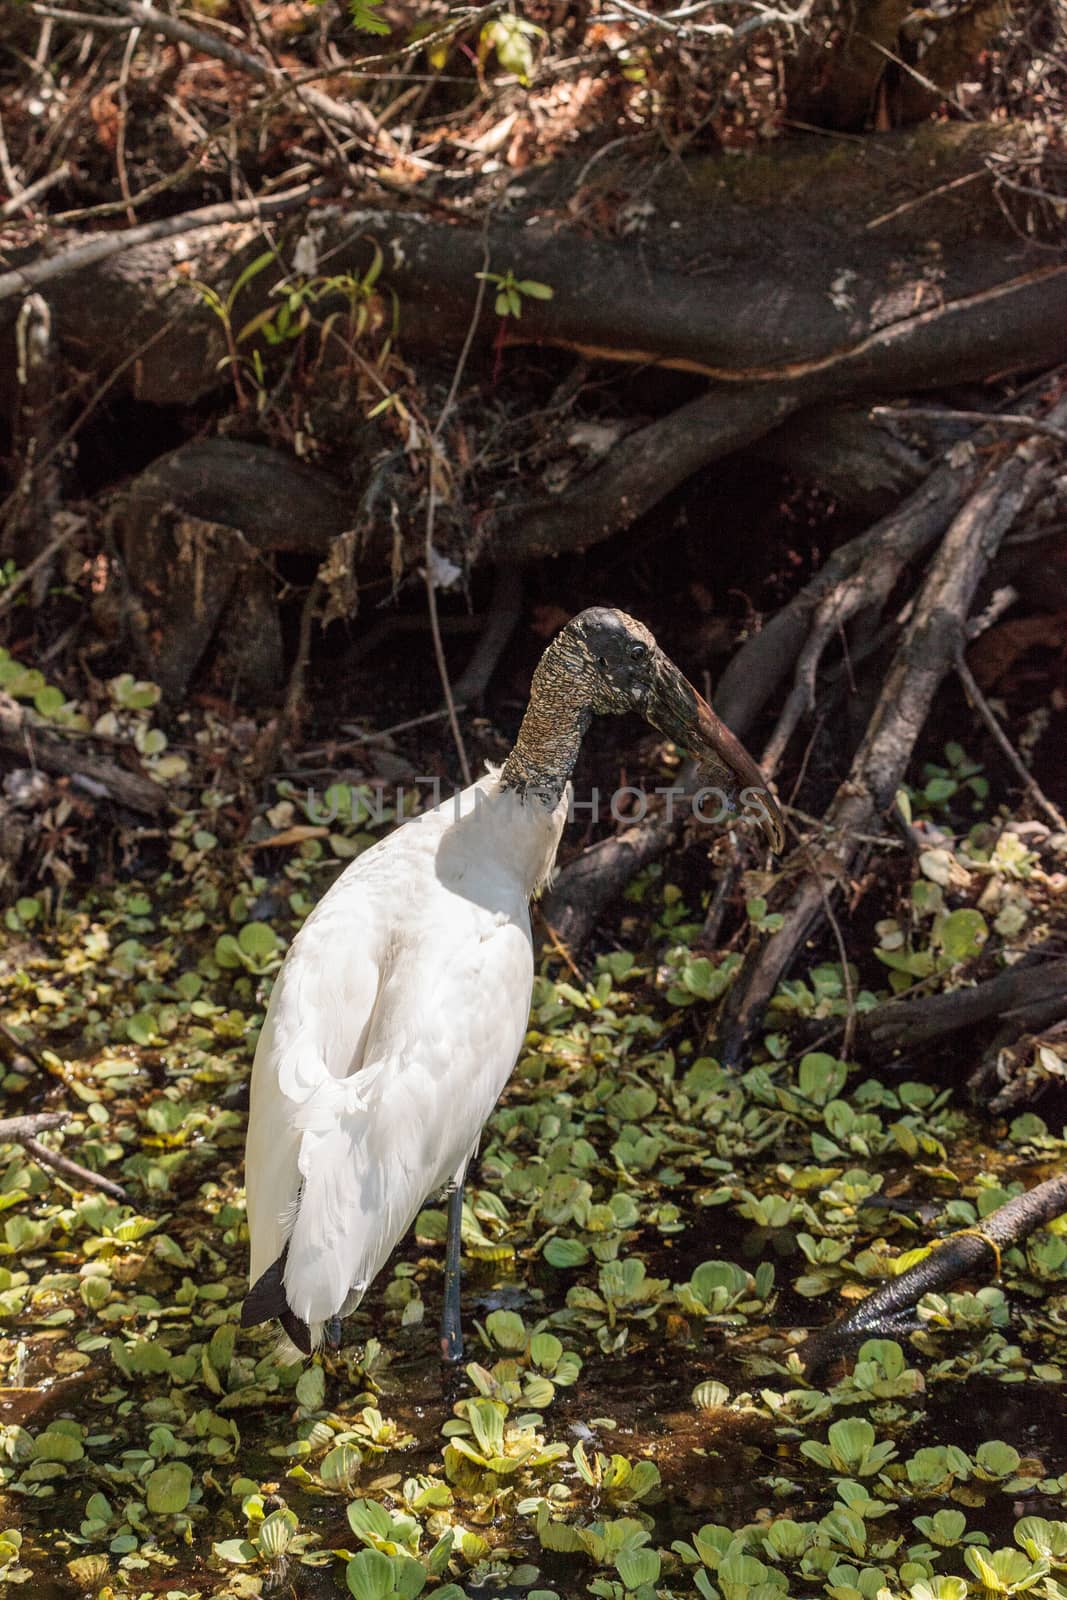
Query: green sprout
x=511, y=290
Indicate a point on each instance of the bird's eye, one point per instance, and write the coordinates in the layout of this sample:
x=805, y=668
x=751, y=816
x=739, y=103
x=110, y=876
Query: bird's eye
x=638, y=652
x=602, y=661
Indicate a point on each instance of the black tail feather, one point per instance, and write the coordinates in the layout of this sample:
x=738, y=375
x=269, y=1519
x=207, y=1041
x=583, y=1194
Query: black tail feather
x=266, y=1300
x=297, y=1329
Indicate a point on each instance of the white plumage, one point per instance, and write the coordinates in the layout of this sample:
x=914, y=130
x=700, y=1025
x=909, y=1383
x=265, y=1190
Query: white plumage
x=391, y=1031
x=401, y=1008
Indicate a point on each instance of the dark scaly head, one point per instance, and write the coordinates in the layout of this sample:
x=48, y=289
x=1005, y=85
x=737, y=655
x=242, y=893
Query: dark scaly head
x=604, y=663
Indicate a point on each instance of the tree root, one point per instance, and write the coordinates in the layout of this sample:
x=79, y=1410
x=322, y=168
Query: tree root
x=644, y=467
x=927, y=651
x=866, y=577
x=852, y=453
x=858, y=574
x=1023, y=993
x=955, y=1257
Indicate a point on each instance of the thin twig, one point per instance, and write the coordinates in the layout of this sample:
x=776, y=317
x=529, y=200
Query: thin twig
x=431, y=509
x=354, y=115
x=306, y=97
x=708, y=937
x=34, y=191
x=559, y=948
x=846, y=976
x=599, y=154
x=297, y=678
x=796, y=704
x=43, y=50
x=112, y=208
x=103, y=246
x=338, y=747
x=988, y=716
x=920, y=77
x=23, y=1131
x=14, y=1129
x=42, y=559
x=457, y=22
x=83, y=19
x=929, y=194
x=83, y=1176
x=997, y=419
x=123, y=101
x=7, y=171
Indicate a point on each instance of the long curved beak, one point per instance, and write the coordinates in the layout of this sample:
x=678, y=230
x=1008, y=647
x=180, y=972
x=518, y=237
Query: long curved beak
x=677, y=710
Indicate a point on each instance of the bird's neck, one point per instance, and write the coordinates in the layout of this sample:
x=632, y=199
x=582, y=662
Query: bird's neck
x=547, y=746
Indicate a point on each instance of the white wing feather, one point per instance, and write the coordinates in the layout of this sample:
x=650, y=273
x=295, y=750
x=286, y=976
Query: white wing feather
x=392, y=1029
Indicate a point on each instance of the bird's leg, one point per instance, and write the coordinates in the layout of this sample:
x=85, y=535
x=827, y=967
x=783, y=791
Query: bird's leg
x=451, y=1328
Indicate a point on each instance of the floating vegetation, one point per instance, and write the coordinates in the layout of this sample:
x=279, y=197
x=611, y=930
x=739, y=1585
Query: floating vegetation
x=648, y=1238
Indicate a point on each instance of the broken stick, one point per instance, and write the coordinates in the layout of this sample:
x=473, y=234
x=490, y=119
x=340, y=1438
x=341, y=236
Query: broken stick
x=24, y=1131
x=958, y=1256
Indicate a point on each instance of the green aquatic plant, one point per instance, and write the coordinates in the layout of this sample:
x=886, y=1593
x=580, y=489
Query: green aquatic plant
x=965, y=1311
x=272, y=1541
x=632, y=1198
x=624, y=1294
x=720, y=1291
x=881, y=1373
x=615, y=1478
x=534, y=1367
x=1005, y=1571
x=850, y=1449
x=484, y=1435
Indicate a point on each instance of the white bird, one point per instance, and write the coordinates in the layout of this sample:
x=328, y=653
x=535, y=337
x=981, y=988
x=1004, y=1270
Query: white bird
x=401, y=1007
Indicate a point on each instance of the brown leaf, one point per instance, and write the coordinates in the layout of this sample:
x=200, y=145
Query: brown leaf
x=993, y=656
x=294, y=835
x=105, y=115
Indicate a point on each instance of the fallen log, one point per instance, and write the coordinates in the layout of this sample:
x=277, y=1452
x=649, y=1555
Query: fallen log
x=836, y=314
x=836, y=307
x=958, y=1256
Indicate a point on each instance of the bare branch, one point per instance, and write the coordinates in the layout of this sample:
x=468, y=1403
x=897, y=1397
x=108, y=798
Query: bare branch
x=960, y=1255
x=34, y=191
x=24, y=1130
x=354, y=115
x=22, y=279
x=995, y=419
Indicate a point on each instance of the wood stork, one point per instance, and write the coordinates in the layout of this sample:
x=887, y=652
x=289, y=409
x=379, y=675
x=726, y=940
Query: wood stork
x=401, y=1007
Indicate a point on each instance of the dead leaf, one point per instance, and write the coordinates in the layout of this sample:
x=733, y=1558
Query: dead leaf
x=105, y=114
x=993, y=656
x=294, y=835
